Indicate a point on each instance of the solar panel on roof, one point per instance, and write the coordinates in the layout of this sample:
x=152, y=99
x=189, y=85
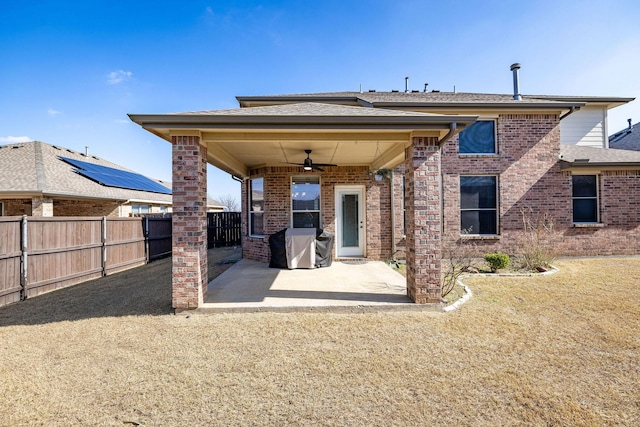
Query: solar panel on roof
x=117, y=178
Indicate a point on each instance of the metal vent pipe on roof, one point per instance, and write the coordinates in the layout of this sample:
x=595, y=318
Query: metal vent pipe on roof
x=406, y=84
x=516, y=81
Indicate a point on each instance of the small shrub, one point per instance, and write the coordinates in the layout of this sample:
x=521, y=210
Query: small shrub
x=497, y=261
x=536, y=249
x=458, y=257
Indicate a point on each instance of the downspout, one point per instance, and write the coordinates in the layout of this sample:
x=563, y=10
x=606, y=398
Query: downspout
x=571, y=111
x=452, y=129
x=393, y=218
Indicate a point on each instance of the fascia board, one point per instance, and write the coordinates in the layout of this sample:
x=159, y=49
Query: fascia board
x=168, y=121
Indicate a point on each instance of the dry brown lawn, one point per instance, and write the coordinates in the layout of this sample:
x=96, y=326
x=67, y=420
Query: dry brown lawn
x=555, y=350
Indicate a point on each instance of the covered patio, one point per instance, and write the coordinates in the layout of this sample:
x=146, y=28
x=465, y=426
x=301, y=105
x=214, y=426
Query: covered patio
x=252, y=286
x=269, y=143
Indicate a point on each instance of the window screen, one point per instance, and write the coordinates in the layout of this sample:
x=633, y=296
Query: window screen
x=478, y=204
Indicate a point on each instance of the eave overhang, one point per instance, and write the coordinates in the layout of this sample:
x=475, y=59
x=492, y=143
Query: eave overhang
x=235, y=138
x=585, y=166
x=261, y=123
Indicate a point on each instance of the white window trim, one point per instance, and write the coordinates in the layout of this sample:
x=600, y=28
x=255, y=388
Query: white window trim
x=497, y=208
x=307, y=210
x=138, y=206
x=597, y=197
x=250, y=208
x=495, y=139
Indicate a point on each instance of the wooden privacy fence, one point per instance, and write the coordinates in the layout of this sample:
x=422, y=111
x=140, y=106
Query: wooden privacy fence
x=223, y=229
x=157, y=230
x=39, y=254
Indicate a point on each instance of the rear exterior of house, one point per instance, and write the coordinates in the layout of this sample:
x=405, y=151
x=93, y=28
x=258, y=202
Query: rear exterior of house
x=449, y=165
x=514, y=165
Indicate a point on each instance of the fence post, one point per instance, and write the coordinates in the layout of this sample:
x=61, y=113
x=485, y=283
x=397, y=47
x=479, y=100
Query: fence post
x=104, y=246
x=146, y=238
x=24, y=264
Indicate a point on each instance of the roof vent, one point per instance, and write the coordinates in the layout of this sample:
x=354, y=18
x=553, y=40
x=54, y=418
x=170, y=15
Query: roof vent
x=435, y=91
x=415, y=91
x=516, y=81
x=372, y=90
x=395, y=90
x=425, y=87
x=406, y=85
x=630, y=125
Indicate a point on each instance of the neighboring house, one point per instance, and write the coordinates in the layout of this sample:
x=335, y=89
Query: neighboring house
x=626, y=139
x=45, y=180
x=215, y=206
x=455, y=162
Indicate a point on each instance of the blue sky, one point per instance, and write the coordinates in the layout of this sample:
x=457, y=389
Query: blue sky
x=72, y=70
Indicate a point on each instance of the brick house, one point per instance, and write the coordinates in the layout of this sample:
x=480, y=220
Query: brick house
x=39, y=179
x=446, y=162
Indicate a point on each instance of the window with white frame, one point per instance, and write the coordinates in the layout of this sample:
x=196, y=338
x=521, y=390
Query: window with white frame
x=479, y=204
x=478, y=138
x=256, y=207
x=585, y=198
x=305, y=202
x=140, y=209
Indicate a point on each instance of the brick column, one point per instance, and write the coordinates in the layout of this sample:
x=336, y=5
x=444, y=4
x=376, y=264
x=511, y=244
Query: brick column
x=423, y=214
x=189, y=222
x=41, y=206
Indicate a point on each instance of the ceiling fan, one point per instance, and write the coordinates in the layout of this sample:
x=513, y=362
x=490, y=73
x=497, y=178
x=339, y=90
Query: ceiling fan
x=309, y=165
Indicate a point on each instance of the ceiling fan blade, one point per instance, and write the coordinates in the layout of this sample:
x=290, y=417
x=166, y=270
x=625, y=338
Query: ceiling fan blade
x=323, y=164
x=315, y=167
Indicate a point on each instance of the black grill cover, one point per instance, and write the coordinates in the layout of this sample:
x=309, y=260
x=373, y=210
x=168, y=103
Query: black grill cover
x=278, y=250
x=324, y=248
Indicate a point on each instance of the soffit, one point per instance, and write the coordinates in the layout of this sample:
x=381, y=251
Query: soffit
x=240, y=139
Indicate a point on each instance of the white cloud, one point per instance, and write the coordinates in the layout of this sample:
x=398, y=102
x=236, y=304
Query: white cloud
x=14, y=139
x=116, y=77
x=53, y=112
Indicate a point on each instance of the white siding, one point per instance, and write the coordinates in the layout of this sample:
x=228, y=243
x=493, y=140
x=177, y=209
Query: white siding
x=586, y=127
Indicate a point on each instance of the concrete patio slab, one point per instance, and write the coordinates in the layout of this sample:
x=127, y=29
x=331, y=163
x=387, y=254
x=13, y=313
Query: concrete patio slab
x=253, y=286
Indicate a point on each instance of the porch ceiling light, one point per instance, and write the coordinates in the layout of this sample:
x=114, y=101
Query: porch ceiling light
x=307, y=164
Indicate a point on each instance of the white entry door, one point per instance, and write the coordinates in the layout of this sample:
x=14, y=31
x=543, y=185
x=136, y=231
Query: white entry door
x=350, y=221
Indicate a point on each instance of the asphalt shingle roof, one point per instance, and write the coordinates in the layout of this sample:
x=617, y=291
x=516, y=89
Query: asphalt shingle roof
x=309, y=109
x=416, y=99
x=627, y=139
x=586, y=156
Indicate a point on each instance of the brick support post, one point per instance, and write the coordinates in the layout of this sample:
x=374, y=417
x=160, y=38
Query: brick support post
x=189, y=221
x=423, y=215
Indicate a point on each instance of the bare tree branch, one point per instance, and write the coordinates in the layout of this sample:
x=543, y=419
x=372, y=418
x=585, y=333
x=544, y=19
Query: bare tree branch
x=229, y=202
